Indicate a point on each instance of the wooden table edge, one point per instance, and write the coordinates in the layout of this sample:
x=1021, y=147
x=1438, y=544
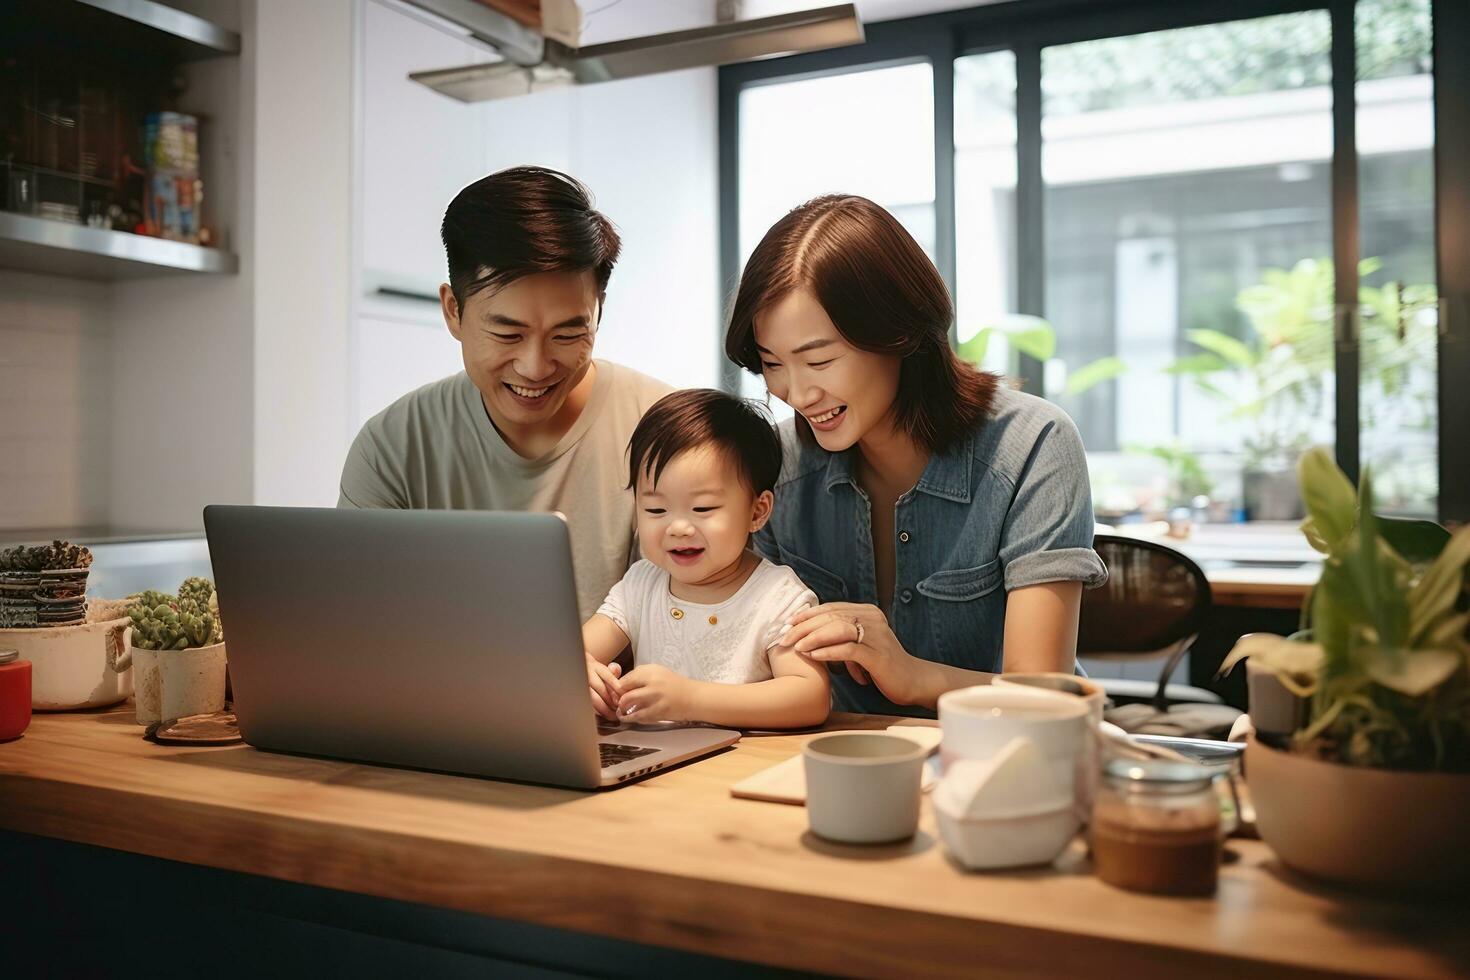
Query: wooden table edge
x=659, y=908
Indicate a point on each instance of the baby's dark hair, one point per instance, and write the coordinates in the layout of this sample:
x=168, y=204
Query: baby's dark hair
x=684, y=420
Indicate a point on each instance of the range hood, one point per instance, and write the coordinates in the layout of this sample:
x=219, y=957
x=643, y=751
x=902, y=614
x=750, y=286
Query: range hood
x=536, y=59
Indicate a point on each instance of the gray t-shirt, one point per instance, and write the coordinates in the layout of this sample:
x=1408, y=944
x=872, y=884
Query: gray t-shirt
x=436, y=449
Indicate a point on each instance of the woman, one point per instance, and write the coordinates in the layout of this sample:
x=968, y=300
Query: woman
x=944, y=520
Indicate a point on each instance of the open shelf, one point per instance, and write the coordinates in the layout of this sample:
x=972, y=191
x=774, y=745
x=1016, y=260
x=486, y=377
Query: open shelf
x=142, y=27
x=58, y=248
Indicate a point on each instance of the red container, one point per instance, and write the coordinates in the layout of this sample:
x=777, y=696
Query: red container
x=15, y=695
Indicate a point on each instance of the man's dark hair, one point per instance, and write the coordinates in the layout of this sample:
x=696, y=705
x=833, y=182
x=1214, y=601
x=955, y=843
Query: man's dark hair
x=522, y=221
x=702, y=416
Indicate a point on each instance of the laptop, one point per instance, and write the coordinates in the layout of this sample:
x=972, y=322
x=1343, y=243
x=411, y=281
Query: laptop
x=442, y=640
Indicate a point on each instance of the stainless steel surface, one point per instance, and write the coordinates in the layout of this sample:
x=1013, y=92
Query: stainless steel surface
x=718, y=44
x=1205, y=751
x=57, y=248
x=444, y=640
x=515, y=41
x=174, y=22
x=93, y=534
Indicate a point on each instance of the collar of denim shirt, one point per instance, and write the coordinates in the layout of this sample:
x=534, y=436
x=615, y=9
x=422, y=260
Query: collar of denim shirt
x=947, y=474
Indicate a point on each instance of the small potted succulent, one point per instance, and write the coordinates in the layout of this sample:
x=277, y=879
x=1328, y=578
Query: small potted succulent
x=44, y=586
x=177, y=652
x=1370, y=784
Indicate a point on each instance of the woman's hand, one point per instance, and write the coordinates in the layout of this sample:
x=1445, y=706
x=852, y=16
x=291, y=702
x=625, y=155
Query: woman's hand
x=603, y=680
x=654, y=693
x=830, y=632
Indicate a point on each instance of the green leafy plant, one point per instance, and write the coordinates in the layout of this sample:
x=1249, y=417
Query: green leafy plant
x=1035, y=337
x=1278, y=380
x=176, y=622
x=1389, y=617
x=1187, y=476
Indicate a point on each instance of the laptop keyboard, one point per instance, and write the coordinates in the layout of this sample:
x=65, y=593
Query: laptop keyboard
x=615, y=752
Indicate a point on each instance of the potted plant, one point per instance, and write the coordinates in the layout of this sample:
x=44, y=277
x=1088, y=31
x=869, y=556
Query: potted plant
x=177, y=652
x=1372, y=787
x=44, y=586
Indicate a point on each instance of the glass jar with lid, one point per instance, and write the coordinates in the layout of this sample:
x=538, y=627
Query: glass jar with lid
x=1156, y=827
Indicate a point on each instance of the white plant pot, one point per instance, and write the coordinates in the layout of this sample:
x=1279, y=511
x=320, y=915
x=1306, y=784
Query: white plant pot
x=1274, y=710
x=170, y=684
x=73, y=666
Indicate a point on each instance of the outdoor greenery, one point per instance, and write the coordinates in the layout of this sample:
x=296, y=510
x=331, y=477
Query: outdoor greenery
x=1279, y=379
x=1246, y=57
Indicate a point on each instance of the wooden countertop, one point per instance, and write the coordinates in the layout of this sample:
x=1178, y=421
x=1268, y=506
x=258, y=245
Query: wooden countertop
x=675, y=861
x=1262, y=588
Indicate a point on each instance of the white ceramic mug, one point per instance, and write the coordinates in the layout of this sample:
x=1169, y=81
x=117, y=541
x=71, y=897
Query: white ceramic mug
x=978, y=722
x=863, y=788
x=1090, y=691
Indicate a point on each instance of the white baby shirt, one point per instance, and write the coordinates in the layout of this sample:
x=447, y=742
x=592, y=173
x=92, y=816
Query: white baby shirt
x=724, y=642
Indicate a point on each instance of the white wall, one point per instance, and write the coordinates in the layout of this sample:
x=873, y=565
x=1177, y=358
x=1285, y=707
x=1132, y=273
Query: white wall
x=646, y=148
x=56, y=390
x=182, y=346
x=303, y=76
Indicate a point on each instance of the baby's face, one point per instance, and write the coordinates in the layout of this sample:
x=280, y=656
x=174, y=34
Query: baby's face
x=695, y=522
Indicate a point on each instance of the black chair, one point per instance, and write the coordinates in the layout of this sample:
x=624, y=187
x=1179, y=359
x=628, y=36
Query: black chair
x=1154, y=604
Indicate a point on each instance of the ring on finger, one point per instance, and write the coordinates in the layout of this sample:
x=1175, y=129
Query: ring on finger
x=860, y=631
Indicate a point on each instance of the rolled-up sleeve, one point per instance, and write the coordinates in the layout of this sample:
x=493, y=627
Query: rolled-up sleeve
x=1048, y=530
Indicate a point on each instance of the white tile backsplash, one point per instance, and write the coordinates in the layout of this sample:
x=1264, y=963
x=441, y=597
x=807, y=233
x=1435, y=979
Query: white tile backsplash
x=55, y=401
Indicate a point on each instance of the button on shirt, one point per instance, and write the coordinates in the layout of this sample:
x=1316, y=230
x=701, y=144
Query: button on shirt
x=1007, y=506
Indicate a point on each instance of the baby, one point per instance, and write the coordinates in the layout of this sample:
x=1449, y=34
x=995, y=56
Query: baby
x=703, y=613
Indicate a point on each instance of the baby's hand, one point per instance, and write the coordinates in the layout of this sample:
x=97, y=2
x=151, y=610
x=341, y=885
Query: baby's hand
x=603, y=680
x=654, y=693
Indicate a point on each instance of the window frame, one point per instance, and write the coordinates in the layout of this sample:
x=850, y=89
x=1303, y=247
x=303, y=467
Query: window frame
x=1025, y=28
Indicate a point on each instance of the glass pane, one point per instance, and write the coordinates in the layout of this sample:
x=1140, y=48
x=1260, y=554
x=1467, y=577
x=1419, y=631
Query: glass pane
x=985, y=206
x=867, y=132
x=1397, y=393
x=1188, y=261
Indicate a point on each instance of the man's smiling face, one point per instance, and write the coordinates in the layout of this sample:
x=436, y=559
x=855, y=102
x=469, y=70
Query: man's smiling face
x=527, y=344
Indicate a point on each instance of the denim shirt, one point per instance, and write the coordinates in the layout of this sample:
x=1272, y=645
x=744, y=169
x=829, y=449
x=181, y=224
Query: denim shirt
x=1007, y=506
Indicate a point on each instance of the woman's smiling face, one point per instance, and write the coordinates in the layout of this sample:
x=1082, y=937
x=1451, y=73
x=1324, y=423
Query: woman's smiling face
x=843, y=392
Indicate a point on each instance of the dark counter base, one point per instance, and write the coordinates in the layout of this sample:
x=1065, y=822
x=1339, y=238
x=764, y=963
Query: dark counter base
x=73, y=910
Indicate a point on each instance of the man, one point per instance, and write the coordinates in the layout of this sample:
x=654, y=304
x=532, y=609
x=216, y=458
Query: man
x=533, y=422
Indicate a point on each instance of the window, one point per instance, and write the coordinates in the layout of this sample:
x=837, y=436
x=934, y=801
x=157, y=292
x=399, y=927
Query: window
x=1138, y=219
x=1398, y=321
x=1189, y=251
x=985, y=195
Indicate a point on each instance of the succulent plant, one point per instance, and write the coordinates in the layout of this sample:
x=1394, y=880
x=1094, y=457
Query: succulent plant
x=21, y=559
x=176, y=622
x=64, y=554
x=58, y=554
x=200, y=590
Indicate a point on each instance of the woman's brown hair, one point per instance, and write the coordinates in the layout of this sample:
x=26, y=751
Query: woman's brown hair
x=884, y=296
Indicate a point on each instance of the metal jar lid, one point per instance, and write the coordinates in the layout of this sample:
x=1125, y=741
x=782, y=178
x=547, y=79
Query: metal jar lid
x=9, y=657
x=1158, y=776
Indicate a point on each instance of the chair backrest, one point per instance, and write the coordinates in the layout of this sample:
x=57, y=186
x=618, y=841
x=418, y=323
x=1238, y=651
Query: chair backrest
x=1154, y=599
